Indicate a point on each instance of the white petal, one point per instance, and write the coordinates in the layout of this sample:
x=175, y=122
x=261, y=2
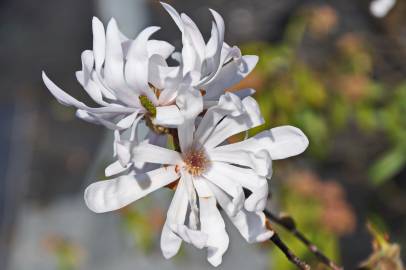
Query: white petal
x=229, y=104
x=162, y=48
x=287, y=141
x=168, y=96
x=127, y=121
x=60, y=95
x=229, y=75
x=168, y=116
x=226, y=182
x=123, y=149
x=251, y=225
x=158, y=70
x=174, y=14
x=260, y=162
x=146, y=152
x=202, y=188
x=196, y=37
x=136, y=68
x=174, y=229
x=91, y=87
x=233, y=125
x=190, y=103
x=109, y=195
x=233, y=52
x=87, y=66
x=107, y=92
x=280, y=142
x=114, y=64
x=68, y=100
x=212, y=52
x=213, y=58
x=247, y=178
x=115, y=168
x=178, y=207
x=191, y=192
x=99, y=43
x=223, y=199
x=212, y=224
x=194, y=237
x=193, y=47
x=212, y=101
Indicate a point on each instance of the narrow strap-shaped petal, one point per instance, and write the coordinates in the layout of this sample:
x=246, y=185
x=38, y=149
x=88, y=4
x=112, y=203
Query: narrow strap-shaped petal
x=194, y=210
x=168, y=95
x=116, y=168
x=170, y=241
x=174, y=14
x=260, y=161
x=251, y=225
x=114, y=65
x=229, y=75
x=128, y=121
x=174, y=230
x=232, y=53
x=193, y=47
x=99, y=43
x=168, y=116
x=195, y=237
x=109, y=195
x=160, y=47
x=136, y=68
x=106, y=91
x=250, y=180
x=226, y=182
x=145, y=152
x=228, y=104
x=233, y=125
x=190, y=103
x=157, y=70
x=212, y=224
x=68, y=100
x=213, y=58
x=280, y=142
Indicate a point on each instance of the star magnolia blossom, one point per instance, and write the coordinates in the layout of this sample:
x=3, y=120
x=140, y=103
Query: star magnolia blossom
x=213, y=66
x=207, y=171
x=130, y=79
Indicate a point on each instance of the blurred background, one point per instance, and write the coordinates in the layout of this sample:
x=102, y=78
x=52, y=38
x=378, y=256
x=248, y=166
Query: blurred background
x=336, y=69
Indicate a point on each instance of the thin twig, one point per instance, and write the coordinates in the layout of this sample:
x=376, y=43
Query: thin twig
x=289, y=224
x=288, y=253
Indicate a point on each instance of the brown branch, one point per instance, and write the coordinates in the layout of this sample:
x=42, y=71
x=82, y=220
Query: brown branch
x=289, y=224
x=288, y=253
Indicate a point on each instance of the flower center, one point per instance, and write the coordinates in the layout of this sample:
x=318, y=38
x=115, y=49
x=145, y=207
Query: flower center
x=195, y=161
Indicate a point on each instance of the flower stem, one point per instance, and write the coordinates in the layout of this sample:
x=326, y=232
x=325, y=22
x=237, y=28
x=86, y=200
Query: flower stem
x=174, y=133
x=289, y=224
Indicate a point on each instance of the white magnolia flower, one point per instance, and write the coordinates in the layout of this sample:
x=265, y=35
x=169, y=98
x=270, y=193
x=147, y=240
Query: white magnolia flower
x=126, y=78
x=207, y=171
x=214, y=66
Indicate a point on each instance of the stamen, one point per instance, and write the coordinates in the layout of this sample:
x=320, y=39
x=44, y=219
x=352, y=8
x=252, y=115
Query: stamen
x=148, y=105
x=196, y=161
